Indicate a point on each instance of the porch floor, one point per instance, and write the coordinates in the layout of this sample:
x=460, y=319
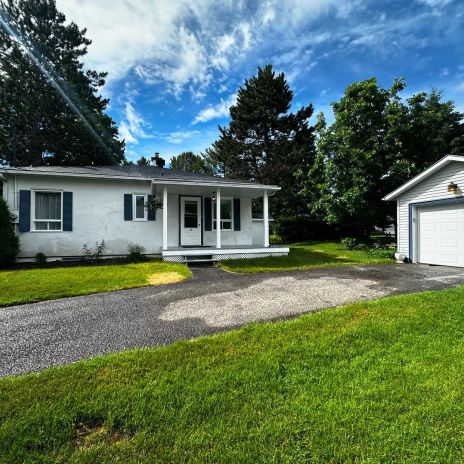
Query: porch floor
x=223, y=247
x=212, y=253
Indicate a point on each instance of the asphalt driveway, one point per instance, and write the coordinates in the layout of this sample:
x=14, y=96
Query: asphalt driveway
x=40, y=335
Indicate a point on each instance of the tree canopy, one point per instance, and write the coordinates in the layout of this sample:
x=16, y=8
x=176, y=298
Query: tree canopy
x=51, y=112
x=354, y=154
x=142, y=161
x=188, y=161
x=377, y=142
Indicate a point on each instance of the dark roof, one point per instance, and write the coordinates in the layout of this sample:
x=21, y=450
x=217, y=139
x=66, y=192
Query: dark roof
x=152, y=172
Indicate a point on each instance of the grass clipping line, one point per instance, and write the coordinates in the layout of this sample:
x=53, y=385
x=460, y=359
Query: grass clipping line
x=160, y=278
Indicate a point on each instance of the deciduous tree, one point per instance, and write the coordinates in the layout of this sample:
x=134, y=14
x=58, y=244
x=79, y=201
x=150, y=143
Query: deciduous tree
x=377, y=142
x=355, y=155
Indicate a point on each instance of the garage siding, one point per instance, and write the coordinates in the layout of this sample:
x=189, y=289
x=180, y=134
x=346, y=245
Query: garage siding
x=432, y=188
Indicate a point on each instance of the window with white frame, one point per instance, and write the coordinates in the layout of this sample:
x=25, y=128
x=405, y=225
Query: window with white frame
x=47, y=211
x=226, y=214
x=140, y=211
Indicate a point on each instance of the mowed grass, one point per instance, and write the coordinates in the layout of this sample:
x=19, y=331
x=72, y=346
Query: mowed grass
x=28, y=285
x=310, y=255
x=371, y=382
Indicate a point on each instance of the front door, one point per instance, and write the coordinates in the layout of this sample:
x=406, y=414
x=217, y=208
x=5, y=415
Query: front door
x=190, y=221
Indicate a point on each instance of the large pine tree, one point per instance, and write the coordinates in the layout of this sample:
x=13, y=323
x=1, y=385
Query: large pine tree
x=51, y=112
x=264, y=141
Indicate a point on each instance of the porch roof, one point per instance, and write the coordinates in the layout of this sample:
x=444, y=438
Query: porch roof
x=249, y=189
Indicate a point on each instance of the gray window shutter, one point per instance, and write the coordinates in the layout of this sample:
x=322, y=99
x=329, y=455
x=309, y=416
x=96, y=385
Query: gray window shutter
x=151, y=212
x=67, y=211
x=208, y=215
x=128, y=207
x=24, y=210
x=237, y=214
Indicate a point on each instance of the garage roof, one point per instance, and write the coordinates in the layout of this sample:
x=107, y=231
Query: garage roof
x=423, y=175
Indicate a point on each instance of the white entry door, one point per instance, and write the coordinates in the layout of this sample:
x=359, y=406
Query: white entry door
x=441, y=235
x=190, y=221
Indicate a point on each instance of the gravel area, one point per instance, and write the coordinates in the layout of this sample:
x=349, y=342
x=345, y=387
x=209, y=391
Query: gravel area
x=40, y=335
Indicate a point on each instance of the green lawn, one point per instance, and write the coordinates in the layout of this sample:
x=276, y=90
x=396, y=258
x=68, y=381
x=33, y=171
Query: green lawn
x=310, y=255
x=27, y=285
x=371, y=382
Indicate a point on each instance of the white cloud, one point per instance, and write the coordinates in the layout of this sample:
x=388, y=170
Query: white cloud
x=179, y=43
x=435, y=3
x=444, y=72
x=185, y=63
x=459, y=87
x=178, y=137
x=222, y=88
x=221, y=110
x=125, y=133
x=133, y=126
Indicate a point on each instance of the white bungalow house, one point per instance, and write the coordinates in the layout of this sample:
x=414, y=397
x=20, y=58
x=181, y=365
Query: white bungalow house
x=430, y=215
x=59, y=209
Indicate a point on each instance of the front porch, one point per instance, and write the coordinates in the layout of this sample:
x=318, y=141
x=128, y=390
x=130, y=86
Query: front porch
x=212, y=221
x=211, y=253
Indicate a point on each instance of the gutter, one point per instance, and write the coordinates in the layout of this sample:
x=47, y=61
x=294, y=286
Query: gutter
x=214, y=184
x=69, y=174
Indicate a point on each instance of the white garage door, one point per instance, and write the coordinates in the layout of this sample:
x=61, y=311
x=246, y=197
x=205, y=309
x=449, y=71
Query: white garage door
x=441, y=235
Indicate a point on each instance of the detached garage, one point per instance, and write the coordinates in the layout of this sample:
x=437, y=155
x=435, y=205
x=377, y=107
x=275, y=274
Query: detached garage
x=430, y=213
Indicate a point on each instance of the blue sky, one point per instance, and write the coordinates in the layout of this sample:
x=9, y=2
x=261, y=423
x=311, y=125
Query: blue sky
x=175, y=66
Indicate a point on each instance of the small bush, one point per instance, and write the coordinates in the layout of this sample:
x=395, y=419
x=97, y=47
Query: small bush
x=383, y=249
x=86, y=252
x=383, y=252
x=9, y=246
x=40, y=258
x=99, y=249
x=274, y=238
x=384, y=243
x=136, y=253
x=90, y=255
x=349, y=243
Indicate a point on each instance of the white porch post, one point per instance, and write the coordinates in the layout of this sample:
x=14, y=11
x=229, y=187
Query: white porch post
x=266, y=219
x=165, y=217
x=218, y=218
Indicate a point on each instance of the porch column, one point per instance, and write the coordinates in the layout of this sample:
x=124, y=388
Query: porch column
x=218, y=218
x=266, y=219
x=165, y=217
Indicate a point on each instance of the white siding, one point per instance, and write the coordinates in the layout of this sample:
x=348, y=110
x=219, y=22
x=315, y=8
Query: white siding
x=258, y=232
x=98, y=214
x=434, y=187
